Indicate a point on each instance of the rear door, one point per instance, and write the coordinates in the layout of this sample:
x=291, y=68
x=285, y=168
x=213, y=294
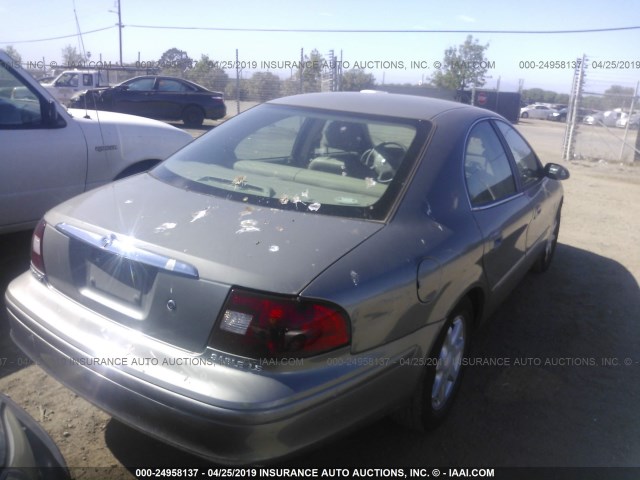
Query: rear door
x=171, y=97
x=501, y=212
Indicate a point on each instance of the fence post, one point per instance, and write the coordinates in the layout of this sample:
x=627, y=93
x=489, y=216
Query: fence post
x=626, y=130
x=572, y=111
x=237, y=84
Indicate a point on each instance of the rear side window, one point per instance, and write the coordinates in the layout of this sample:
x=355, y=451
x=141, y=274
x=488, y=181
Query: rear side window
x=487, y=170
x=529, y=167
x=141, y=85
x=168, y=85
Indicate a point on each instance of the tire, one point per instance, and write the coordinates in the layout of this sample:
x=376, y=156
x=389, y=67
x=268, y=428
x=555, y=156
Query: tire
x=193, y=116
x=524, y=115
x=546, y=257
x=436, y=391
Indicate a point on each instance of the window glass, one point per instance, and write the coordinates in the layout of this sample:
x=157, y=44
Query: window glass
x=487, y=169
x=67, y=80
x=19, y=106
x=272, y=141
x=328, y=162
x=141, y=84
x=168, y=85
x=529, y=167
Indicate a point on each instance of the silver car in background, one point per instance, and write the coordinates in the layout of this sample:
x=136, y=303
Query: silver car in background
x=309, y=265
x=536, y=111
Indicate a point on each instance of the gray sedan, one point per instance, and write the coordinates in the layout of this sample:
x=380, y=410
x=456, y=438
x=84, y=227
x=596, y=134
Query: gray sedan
x=309, y=265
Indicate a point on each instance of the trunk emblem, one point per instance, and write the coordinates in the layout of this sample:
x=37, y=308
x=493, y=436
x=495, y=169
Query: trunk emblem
x=172, y=305
x=107, y=241
x=126, y=247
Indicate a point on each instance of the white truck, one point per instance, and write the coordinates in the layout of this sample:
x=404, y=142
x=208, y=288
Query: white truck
x=49, y=154
x=70, y=82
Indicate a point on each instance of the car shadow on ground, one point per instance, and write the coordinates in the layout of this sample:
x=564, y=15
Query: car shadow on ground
x=205, y=127
x=551, y=380
x=195, y=132
x=14, y=259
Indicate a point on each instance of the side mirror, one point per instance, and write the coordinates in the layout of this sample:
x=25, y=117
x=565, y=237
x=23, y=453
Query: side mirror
x=49, y=113
x=556, y=172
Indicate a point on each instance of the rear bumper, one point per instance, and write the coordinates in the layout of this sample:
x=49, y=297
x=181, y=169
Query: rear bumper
x=216, y=112
x=299, y=414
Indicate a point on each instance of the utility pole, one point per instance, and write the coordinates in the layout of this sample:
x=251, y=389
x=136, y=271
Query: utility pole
x=120, y=27
x=120, y=30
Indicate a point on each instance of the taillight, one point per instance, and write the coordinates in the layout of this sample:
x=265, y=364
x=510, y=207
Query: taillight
x=259, y=325
x=37, y=260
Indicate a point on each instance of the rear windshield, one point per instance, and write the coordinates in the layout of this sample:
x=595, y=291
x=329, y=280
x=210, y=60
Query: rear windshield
x=297, y=158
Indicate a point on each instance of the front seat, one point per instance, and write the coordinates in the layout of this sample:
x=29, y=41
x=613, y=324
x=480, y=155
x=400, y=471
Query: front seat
x=342, y=146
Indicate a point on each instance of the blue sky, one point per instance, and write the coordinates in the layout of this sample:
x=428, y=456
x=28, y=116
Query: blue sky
x=25, y=21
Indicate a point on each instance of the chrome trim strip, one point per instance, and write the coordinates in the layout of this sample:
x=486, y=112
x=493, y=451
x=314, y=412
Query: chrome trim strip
x=124, y=246
x=495, y=203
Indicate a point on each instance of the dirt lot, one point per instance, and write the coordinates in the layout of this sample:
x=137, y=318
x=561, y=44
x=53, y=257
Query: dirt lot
x=565, y=394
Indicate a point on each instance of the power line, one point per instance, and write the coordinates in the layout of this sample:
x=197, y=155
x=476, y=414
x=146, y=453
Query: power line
x=322, y=30
x=58, y=38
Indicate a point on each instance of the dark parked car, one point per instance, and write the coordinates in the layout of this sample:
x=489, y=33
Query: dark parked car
x=166, y=98
x=315, y=262
x=26, y=451
x=561, y=115
x=558, y=115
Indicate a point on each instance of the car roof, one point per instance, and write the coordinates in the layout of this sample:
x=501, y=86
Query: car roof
x=390, y=104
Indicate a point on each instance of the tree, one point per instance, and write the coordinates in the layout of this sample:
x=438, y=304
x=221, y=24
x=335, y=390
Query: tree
x=617, y=96
x=311, y=71
x=356, y=79
x=13, y=53
x=534, y=95
x=463, y=66
x=290, y=86
x=175, y=62
x=71, y=57
x=207, y=73
x=237, y=90
x=264, y=86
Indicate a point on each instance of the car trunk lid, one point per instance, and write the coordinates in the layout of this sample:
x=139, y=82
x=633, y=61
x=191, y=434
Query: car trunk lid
x=165, y=267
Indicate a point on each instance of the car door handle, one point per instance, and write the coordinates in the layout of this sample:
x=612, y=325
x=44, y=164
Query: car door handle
x=496, y=241
x=537, y=210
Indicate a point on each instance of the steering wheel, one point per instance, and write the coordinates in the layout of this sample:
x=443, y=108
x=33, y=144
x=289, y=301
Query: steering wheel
x=375, y=159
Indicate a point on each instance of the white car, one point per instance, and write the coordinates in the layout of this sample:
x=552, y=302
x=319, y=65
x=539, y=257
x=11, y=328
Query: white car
x=633, y=120
x=70, y=82
x=49, y=154
x=536, y=111
x=607, y=119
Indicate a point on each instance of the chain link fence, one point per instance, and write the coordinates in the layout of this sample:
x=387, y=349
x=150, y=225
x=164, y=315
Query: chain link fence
x=244, y=81
x=603, y=117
